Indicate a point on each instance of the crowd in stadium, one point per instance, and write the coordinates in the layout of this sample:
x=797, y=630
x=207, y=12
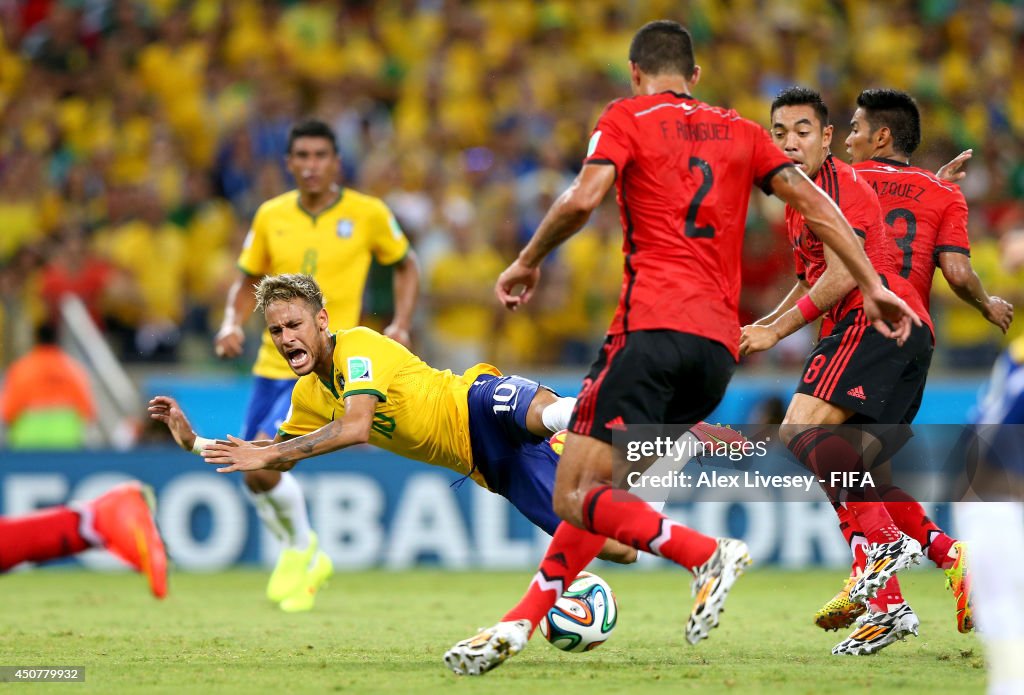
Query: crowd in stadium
x=139, y=136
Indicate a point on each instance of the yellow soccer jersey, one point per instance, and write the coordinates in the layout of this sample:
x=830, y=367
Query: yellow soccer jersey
x=422, y=412
x=334, y=247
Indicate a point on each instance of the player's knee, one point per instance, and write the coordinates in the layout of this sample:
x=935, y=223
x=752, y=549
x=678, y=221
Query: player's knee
x=614, y=551
x=568, y=506
x=788, y=432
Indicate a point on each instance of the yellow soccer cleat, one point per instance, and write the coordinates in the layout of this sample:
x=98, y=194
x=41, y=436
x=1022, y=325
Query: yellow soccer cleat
x=840, y=611
x=958, y=580
x=289, y=574
x=316, y=579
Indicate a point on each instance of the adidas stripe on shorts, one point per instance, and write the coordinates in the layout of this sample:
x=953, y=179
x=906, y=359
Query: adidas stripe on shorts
x=857, y=368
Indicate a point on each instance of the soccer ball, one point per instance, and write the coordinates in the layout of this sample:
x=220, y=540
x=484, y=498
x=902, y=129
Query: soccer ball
x=557, y=441
x=584, y=616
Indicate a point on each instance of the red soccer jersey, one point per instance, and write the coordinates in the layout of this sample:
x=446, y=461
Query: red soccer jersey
x=926, y=217
x=684, y=172
x=861, y=208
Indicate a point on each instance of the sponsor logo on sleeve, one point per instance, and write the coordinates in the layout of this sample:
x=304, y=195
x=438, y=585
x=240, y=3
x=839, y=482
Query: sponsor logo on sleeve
x=360, y=369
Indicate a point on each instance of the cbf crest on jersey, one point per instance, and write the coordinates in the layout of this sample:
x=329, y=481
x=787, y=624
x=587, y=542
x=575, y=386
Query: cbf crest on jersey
x=344, y=229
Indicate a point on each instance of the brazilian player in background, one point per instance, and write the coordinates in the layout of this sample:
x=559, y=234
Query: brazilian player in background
x=330, y=232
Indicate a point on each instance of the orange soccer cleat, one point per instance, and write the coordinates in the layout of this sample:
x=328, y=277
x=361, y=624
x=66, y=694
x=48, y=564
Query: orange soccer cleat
x=958, y=580
x=123, y=519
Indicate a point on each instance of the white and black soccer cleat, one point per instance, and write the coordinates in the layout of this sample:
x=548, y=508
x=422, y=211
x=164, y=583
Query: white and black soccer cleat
x=883, y=561
x=711, y=584
x=488, y=649
x=876, y=631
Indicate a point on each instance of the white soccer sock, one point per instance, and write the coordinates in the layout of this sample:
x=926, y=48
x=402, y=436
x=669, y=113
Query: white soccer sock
x=283, y=512
x=557, y=415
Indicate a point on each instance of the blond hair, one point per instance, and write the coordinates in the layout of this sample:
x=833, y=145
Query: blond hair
x=284, y=288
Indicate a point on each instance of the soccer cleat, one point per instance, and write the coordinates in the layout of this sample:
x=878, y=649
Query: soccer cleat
x=711, y=584
x=883, y=561
x=958, y=580
x=489, y=648
x=876, y=631
x=316, y=579
x=289, y=575
x=123, y=519
x=716, y=434
x=840, y=611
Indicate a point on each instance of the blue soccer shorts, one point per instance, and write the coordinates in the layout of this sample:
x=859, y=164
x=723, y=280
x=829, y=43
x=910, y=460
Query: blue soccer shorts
x=268, y=406
x=516, y=464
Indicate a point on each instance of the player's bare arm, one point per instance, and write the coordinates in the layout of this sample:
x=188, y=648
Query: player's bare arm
x=798, y=290
x=889, y=314
x=352, y=428
x=230, y=338
x=965, y=283
x=406, y=285
x=759, y=336
x=566, y=216
x=834, y=284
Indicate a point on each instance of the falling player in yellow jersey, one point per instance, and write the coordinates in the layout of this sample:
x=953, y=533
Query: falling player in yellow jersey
x=357, y=386
x=330, y=233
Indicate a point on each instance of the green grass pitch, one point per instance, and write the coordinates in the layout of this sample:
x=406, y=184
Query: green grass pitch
x=379, y=632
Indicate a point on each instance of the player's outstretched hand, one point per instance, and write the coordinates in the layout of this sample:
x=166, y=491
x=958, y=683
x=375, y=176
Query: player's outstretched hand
x=229, y=341
x=757, y=339
x=952, y=170
x=166, y=410
x=236, y=455
x=889, y=314
x=998, y=312
x=516, y=275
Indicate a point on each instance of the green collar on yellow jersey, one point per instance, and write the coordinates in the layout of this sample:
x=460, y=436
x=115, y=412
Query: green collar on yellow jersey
x=337, y=375
x=298, y=202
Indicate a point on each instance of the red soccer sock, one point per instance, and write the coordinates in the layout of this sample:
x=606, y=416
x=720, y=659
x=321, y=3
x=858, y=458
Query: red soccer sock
x=888, y=595
x=571, y=550
x=854, y=538
x=834, y=460
x=44, y=535
x=824, y=453
x=910, y=516
x=628, y=519
x=877, y=524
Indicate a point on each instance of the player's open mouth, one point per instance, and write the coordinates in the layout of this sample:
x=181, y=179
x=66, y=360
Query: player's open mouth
x=297, y=358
